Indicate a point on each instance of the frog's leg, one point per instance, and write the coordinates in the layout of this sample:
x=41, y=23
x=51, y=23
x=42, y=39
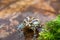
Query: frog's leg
x=21, y=26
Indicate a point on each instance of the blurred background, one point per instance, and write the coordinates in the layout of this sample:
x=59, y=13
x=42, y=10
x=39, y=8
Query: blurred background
x=12, y=13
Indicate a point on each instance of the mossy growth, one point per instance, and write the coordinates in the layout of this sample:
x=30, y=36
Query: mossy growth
x=51, y=30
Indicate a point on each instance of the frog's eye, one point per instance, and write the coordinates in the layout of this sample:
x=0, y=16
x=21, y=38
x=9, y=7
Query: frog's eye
x=36, y=23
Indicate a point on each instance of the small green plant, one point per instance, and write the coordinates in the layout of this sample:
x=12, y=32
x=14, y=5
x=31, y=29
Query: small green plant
x=51, y=30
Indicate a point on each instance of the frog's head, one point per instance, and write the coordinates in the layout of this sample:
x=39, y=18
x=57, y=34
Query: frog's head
x=32, y=22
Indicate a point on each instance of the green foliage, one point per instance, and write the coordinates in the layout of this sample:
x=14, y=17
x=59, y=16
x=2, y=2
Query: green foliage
x=51, y=30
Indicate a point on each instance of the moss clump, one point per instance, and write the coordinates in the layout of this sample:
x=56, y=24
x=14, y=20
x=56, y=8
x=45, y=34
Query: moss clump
x=51, y=30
